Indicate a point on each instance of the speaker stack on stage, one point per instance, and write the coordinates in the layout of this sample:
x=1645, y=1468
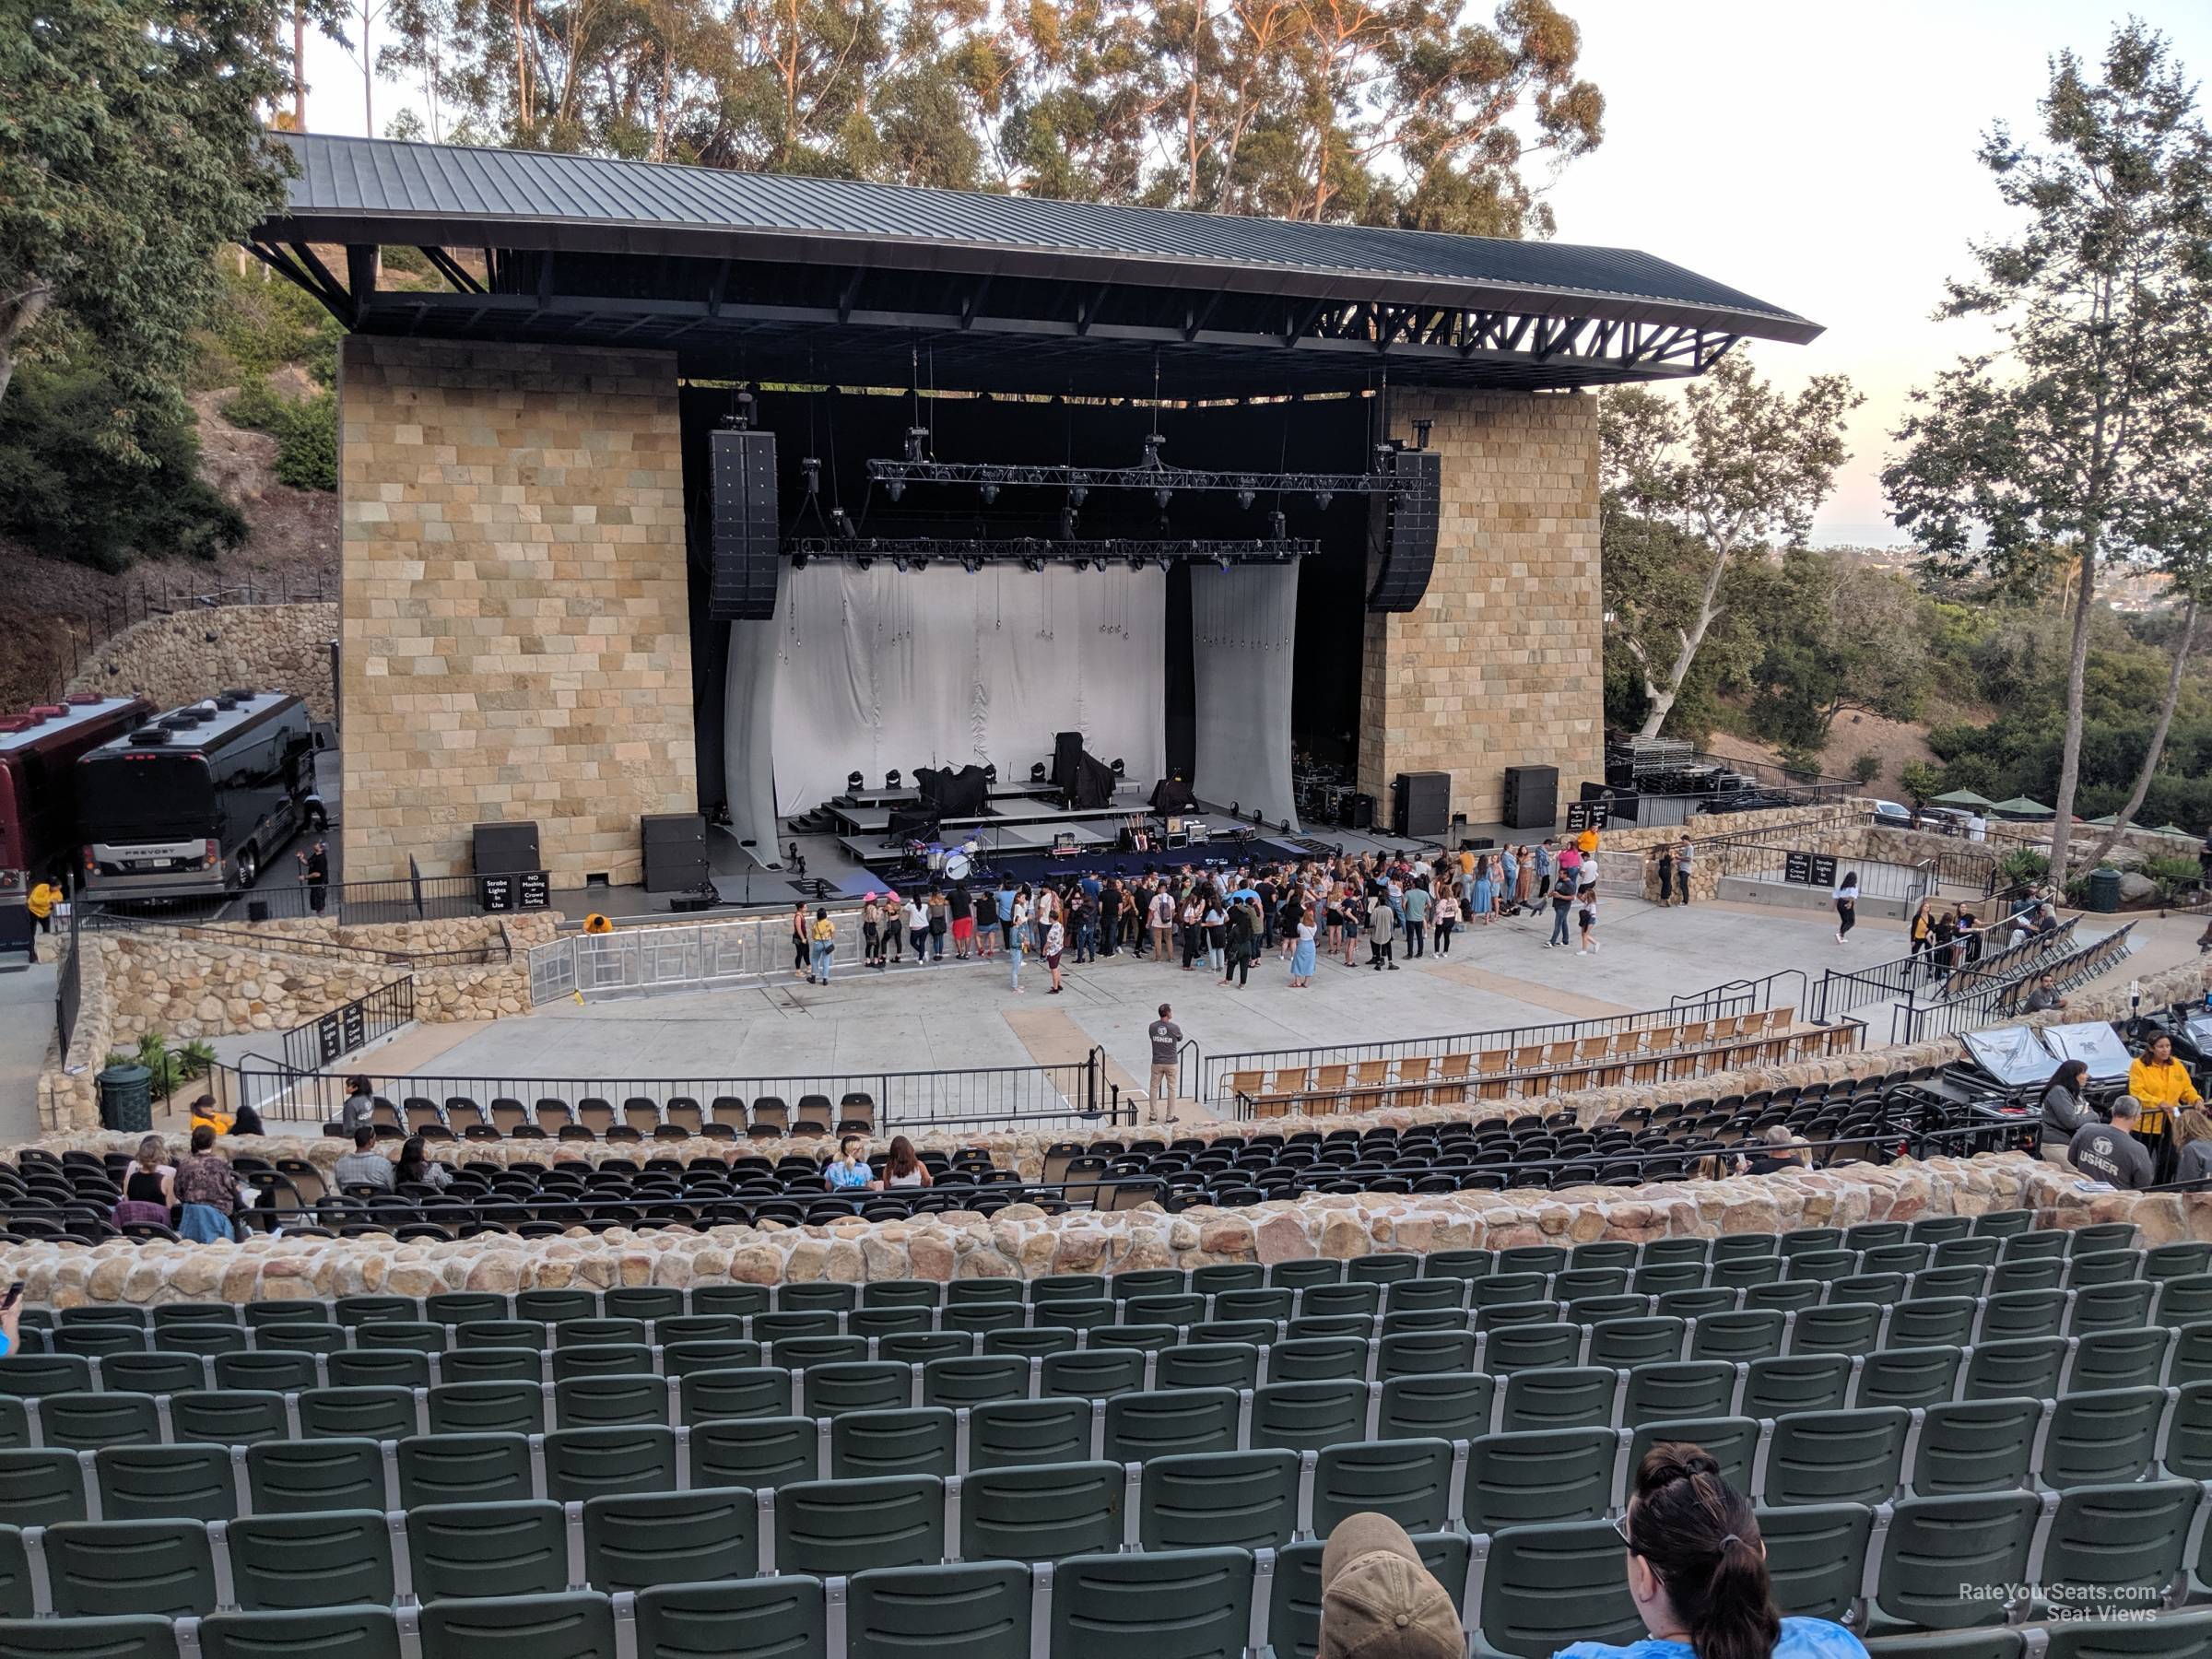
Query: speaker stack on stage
x=743, y=585
x=1532, y=796
x=503, y=849
x=1421, y=806
x=675, y=844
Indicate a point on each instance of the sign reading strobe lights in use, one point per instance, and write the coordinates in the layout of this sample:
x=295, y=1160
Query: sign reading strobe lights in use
x=529, y=890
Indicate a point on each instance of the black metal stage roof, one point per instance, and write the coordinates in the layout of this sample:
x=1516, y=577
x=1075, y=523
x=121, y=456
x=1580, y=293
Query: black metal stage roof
x=768, y=275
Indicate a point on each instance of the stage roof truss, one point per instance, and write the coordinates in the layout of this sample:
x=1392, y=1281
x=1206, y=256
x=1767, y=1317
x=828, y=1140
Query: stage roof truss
x=974, y=553
x=818, y=281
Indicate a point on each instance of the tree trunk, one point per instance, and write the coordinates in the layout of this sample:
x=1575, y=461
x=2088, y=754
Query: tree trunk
x=1709, y=610
x=17, y=315
x=2158, y=738
x=299, y=66
x=2077, y=662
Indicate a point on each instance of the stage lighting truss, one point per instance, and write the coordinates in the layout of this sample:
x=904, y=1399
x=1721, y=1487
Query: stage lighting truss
x=915, y=552
x=1162, y=482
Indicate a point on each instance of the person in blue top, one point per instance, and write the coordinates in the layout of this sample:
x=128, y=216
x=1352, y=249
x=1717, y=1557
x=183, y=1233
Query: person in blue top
x=11, y=1321
x=849, y=1170
x=1698, y=1572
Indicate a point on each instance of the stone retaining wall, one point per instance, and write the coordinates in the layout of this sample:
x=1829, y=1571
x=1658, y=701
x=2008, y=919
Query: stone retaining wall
x=1022, y=1242
x=173, y=660
x=195, y=983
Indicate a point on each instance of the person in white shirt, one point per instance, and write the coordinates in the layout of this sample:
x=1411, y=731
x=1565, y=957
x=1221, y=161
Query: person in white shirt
x=917, y=925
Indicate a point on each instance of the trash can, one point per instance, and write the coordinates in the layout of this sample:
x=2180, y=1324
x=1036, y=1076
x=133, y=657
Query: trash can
x=2104, y=890
x=126, y=1099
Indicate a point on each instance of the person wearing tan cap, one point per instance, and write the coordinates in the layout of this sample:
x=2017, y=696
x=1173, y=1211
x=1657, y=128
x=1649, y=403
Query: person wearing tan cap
x=1698, y=1572
x=1378, y=1601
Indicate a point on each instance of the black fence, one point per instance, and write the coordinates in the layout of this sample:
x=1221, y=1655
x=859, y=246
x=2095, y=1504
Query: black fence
x=1997, y=1002
x=350, y=1029
x=1841, y=990
x=68, y=986
x=350, y=903
x=643, y=1109
x=84, y=631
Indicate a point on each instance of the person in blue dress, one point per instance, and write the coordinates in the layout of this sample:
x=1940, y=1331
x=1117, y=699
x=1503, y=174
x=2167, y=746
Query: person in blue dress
x=1302, y=954
x=1697, y=1571
x=1485, y=891
x=849, y=1171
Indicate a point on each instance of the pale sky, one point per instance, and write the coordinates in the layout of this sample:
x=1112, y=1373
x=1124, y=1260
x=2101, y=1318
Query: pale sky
x=1820, y=158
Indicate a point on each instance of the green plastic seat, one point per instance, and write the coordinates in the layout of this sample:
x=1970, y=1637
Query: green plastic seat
x=1386, y=1268
x=1069, y=1287
x=880, y=1323
x=1008, y=1432
x=1271, y=1305
x=1317, y=1359
x=2189, y=1432
x=804, y=1353
x=1934, y=1544
x=487, y=1408
x=461, y=1469
x=2116, y=1546
x=1358, y=1326
x=303, y=1477
x=206, y=1339
x=228, y=1417
x=601, y=1359
x=974, y=1378
x=2099, y=1236
x=1666, y=1278
x=1185, y=1605
x=1091, y=1374
x=354, y=1311
x=1531, y=1348
x=262, y=1371
x=1694, y=1303
x=576, y=1624
x=165, y=1482
x=503, y=1334
x=15, y=1424
x=1033, y=1342
x=257, y=1315
x=2119, y=1358
x=1684, y=1388
x=471, y=1549
x=785, y=1324
x=2183, y=1301
x=1674, y=1250
x=2115, y=1307
x=1148, y=1281
x=2003, y=1223
x=464, y=1307
x=358, y=1413
x=1305, y=1417
x=649, y=1302
x=699, y=1327
x=1597, y=1310
x=1459, y=1263
x=2165, y=1262
x=1883, y=1289
x=1951, y=1278
x=1973, y=1446
x=743, y=1301
x=634, y=1540
x=1789, y=1295
x=1245, y=1333
x=585, y=1463
x=918, y=1347
x=1179, y=1309
x=88, y=1421
x=845, y=1526
x=351, y=1633
x=1938, y=1229
x=1932, y=1322
x=1746, y=1273
x=403, y=1368
x=1571, y=1397
x=126, y=1636
x=1425, y=1295
x=302, y=1336
x=2017, y=1275
x=917, y=1440
x=754, y=1452
x=1349, y=1300
x=1625, y=1343
x=1041, y=1512
x=1907, y=1377
x=99, y=1569
x=2186, y=1635
x=418, y=1334
x=99, y=1341
x=2017, y=1366
x=596, y=1402
x=1967, y=1251
x=1164, y=1422
x=2014, y=1313
x=1211, y=1499
x=1505, y=1288
x=1228, y=1276
x=1447, y=1404
x=1775, y=1387
x=1546, y=1586
x=551, y=1307
x=1421, y=1353
x=1144, y=1338
x=321, y=1559
x=780, y=1617
x=745, y=1392
x=967, y=1610
x=1208, y=1365
x=980, y=1319
x=2099, y=1438
x=2087, y=1271
x=1835, y=1456
x=1752, y=1333
x=1410, y=1480
x=159, y=1372
x=1524, y=1479
x=43, y=1487
x=1733, y=1442
x=1817, y=1557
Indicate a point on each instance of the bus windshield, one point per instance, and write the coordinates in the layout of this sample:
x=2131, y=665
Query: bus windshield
x=147, y=798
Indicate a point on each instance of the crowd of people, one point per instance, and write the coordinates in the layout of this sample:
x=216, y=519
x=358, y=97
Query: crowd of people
x=1224, y=920
x=2161, y=1119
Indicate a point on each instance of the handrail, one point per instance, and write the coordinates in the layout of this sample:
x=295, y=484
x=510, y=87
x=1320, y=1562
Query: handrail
x=1841, y=988
x=1953, y=1014
x=293, y=944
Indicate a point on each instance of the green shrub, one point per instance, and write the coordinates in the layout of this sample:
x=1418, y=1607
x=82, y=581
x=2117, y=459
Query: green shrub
x=1921, y=780
x=2172, y=872
x=1866, y=768
x=170, y=1068
x=2024, y=864
x=307, y=448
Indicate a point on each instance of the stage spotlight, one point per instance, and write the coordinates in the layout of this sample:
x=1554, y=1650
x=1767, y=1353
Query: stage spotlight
x=971, y=564
x=864, y=563
x=1322, y=500
x=843, y=520
x=921, y=564
x=1165, y=564
x=898, y=563
x=1235, y=808
x=1099, y=565
x=1163, y=497
x=1276, y=524
x=1258, y=822
x=798, y=562
x=1222, y=562
x=812, y=468
x=1120, y=770
x=1035, y=566
x=1286, y=826
x=1137, y=562
x=1075, y=495
x=917, y=444
x=855, y=782
x=1152, y=442
x=1037, y=772
x=1067, y=524
x=897, y=487
x=891, y=781
x=1244, y=498
x=1420, y=433
x=990, y=494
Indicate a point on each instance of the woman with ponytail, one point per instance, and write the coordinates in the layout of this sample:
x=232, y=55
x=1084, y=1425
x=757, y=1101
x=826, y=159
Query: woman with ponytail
x=1698, y=1572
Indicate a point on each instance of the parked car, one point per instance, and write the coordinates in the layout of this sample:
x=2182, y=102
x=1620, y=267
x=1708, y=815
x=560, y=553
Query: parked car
x=1890, y=816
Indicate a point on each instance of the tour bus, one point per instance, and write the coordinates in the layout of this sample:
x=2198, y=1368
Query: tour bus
x=198, y=802
x=38, y=751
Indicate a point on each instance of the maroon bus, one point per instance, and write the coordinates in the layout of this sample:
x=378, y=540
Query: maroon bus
x=38, y=751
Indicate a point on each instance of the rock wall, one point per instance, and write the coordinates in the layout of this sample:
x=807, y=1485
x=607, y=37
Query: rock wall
x=1841, y=832
x=197, y=981
x=1022, y=1242
x=182, y=658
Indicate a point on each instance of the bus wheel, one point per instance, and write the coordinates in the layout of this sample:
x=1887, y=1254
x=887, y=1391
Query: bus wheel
x=249, y=868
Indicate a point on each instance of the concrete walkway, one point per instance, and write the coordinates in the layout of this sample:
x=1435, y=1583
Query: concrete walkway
x=26, y=1032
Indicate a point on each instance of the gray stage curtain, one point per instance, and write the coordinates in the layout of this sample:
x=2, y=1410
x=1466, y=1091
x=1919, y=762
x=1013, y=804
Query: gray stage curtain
x=1243, y=628
x=748, y=705
x=878, y=669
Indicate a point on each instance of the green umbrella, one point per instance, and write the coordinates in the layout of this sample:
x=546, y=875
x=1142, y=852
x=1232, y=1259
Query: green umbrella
x=2020, y=806
x=2106, y=822
x=1962, y=797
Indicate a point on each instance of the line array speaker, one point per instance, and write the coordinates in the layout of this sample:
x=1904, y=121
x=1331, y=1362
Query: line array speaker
x=743, y=585
x=1420, y=804
x=675, y=845
x=1532, y=796
x=1408, y=532
x=503, y=849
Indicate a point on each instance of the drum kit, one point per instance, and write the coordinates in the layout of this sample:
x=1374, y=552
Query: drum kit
x=943, y=862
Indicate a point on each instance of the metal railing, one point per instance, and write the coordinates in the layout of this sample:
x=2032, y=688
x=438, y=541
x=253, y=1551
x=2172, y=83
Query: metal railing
x=1878, y=878
x=86, y=629
x=1840, y=989
x=349, y=1029
x=1071, y=1092
x=350, y=903
x=68, y=985
x=272, y=940
x=1717, y=1004
x=1957, y=1014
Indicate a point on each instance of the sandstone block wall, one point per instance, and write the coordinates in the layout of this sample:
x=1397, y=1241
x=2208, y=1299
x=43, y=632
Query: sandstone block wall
x=173, y=660
x=515, y=610
x=1503, y=664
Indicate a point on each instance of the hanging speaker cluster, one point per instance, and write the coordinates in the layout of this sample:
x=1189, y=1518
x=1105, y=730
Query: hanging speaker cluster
x=1407, y=531
x=743, y=583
